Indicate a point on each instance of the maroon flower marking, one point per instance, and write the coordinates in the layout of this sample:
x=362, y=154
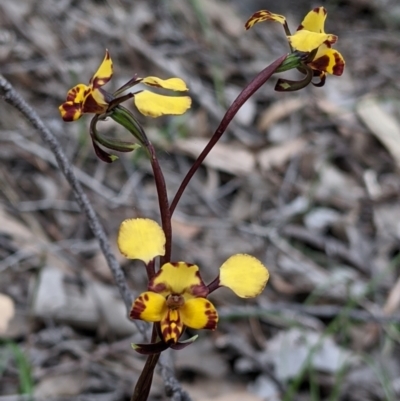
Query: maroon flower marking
x=339, y=65
x=159, y=288
x=139, y=306
x=212, y=317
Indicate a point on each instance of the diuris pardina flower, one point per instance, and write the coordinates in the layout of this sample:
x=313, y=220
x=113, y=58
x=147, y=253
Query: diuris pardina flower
x=310, y=38
x=176, y=296
x=94, y=99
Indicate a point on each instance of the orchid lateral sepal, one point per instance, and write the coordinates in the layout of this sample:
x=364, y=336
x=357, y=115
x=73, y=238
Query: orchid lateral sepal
x=286, y=85
x=125, y=118
x=322, y=79
x=143, y=384
x=183, y=344
x=119, y=146
x=160, y=346
x=102, y=154
x=150, y=348
x=112, y=144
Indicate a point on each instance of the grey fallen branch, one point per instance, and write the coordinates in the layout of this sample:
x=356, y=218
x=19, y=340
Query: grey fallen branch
x=172, y=386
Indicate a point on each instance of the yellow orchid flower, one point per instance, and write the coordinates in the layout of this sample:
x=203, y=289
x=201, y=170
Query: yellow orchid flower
x=177, y=296
x=89, y=98
x=310, y=37
x=94, y=99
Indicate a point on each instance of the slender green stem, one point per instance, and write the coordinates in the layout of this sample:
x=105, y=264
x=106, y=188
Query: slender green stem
x=248, y=91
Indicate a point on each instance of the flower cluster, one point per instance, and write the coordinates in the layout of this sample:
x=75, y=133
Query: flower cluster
x=310, y=38
x=176, y=294
x=94, y=99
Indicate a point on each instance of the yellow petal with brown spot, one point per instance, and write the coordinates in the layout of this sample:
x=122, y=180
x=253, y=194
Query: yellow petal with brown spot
x=245, y=275
x=328, y=60
x=77, y=93
x=175, y=84
x=70, y=111
x=149, y=306
x=104, y=72
x=179, y=278
x=264, y=15
x=155, y=105
x=95, y=102
x=199, y=313
x=314, y=21
x=141, y=239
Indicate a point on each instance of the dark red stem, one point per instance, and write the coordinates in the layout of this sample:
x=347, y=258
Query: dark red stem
x=143, y=385
x=162, y=201
x=214, y=285
x=248, y=91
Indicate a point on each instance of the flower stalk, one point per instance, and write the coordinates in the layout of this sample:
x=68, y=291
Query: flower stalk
x=244, y=95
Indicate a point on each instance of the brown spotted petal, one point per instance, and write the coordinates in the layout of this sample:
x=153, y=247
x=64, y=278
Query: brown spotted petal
x=72, y=109
x=89, y=98
x=95, y=101
x=314, y=21
x=77, y=93
x=149, y=306
x=199, y=313
x=264, y=15
x=179, y=278
x=104, y=72
x=328, y=60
